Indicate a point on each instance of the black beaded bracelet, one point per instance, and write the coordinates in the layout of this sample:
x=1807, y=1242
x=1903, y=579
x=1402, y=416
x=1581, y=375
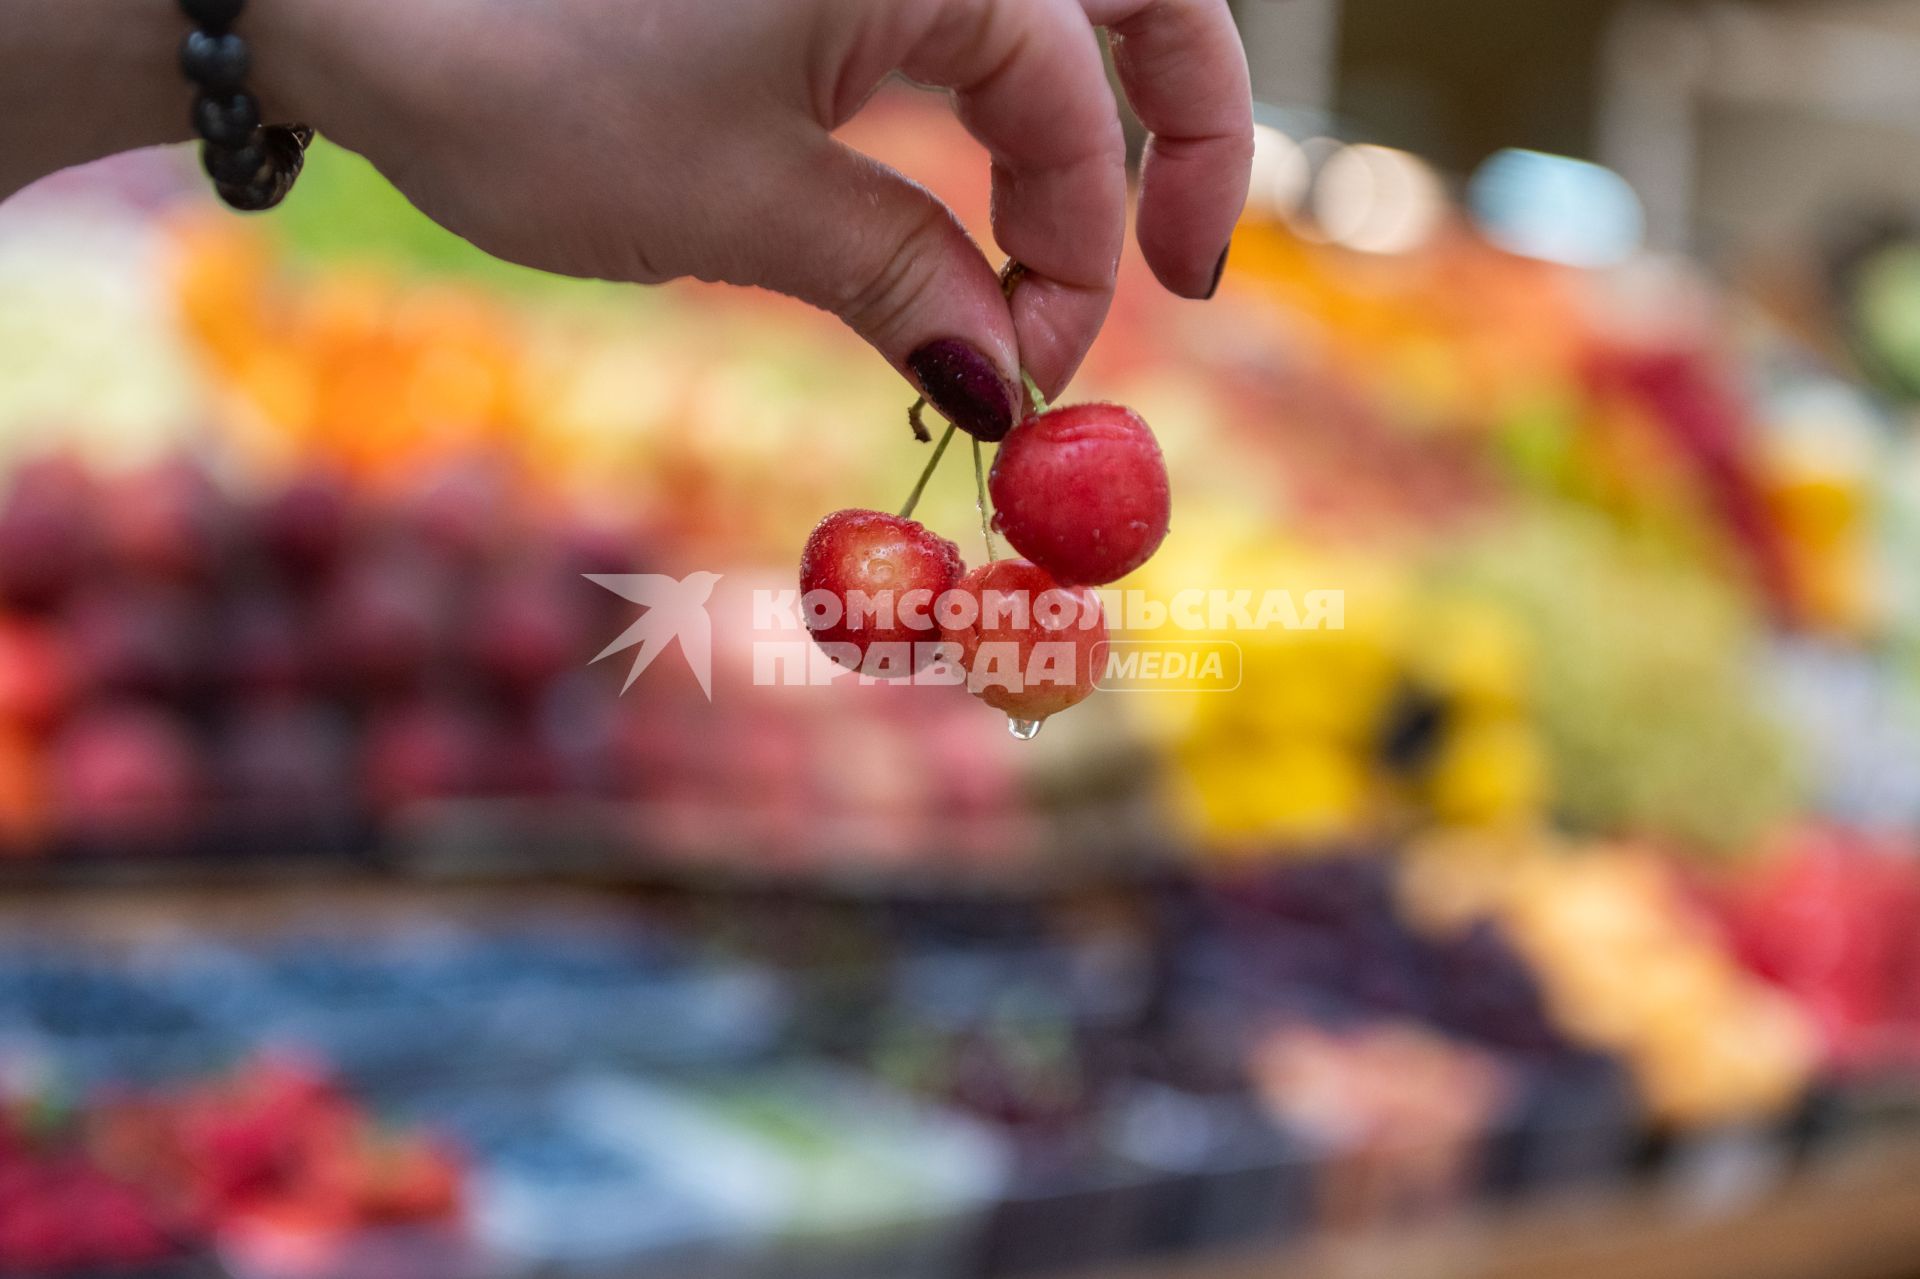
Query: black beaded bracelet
x=252, y=165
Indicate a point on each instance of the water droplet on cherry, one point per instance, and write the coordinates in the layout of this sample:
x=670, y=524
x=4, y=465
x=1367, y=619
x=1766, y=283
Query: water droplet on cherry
x=1024, y=729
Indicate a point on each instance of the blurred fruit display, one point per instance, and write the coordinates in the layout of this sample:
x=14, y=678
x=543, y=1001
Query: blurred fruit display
x=1404, y=1111
x=275, y=670
x=1647, y=686
x=1828, y=918
x=1631, y=966
x=293, y=668
x=1566, y=799
x=1508, y=471
x=1217, y=1063
x=135, y=1179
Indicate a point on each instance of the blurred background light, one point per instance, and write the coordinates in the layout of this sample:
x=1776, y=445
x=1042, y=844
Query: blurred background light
x=1280, y=173
x=1556, y=208
x=1377, y=200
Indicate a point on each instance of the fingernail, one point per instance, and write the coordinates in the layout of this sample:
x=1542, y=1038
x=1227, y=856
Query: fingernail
x=1219, y=269
x=965, y=387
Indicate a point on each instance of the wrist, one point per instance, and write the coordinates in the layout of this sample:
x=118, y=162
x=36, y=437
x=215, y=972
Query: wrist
x=86, y=79
x=299, y=75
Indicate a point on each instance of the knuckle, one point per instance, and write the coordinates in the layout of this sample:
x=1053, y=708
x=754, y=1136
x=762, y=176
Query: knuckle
x=874, y=301
x=638, y=262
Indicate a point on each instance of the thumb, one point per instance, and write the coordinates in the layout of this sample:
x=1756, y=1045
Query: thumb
x=856, y=238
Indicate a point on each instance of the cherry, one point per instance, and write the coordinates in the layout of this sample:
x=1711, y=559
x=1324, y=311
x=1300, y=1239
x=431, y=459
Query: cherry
x=305, y=527
x=525, y=630
x=37, y=679
x=383, y=622
x=127, y=775
x=144, y=637
x=861, y=578
x=1082, y=491
x=49, y=535
x=170, y=521
x=1031, y=646
x=419, y=752
x=463, y=510
x=23, y=806
x=266, y=646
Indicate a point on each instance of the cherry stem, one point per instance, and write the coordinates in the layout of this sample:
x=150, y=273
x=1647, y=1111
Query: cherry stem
x=980, y=487
x=1033, y=392
x=918, y=423
x=920, y=485
x=1011, y=273
x=1010, y=276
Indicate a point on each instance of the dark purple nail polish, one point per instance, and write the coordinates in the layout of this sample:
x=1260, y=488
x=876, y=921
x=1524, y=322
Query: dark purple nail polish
x=1219, y=269
x=965, y=387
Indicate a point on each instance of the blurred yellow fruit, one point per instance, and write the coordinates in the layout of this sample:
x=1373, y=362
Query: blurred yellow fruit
x=1490, y=773
x=1300, y=792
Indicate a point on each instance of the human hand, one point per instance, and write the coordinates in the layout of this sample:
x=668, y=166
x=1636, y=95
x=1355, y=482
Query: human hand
x=649, y=141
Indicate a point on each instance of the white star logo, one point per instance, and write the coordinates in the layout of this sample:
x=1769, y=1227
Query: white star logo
x=676, y=610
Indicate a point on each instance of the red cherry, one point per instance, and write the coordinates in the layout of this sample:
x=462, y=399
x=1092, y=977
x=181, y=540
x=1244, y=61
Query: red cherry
x=148, y=638
x=170, y=521
x=527, y=629
x=384, y=622
x=36, y=675
x=49, y=534
x=1082, y=491
x=304, y=528
x=127, y=775
x=1031, y=647
x=421, y=751
x=266, y=647
x=887, y=559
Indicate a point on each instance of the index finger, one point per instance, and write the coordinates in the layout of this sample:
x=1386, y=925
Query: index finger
x=1185, y=74
x=1032, y=88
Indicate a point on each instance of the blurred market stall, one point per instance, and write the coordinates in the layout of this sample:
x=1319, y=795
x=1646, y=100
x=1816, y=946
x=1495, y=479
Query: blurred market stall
x=1583, y=844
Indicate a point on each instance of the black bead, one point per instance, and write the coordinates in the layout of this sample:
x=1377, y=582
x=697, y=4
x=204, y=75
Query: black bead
x=212, y=15
x=287, y=144
x=233, y=164
x=226, y=119
x=283, y=151
x=254, y=197
x=217, y=63
x=287, y=152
